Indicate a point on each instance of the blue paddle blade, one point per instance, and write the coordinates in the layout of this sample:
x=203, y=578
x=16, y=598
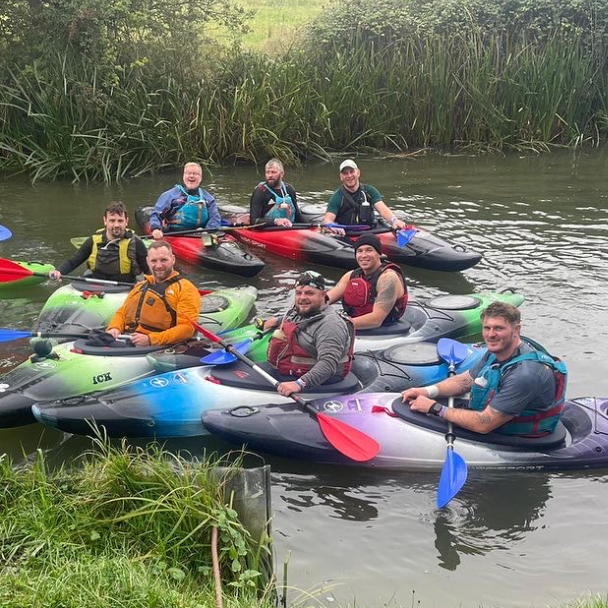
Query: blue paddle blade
x=223, y=357
x=453, y=477
x=5, y=233
x=452, y=351
x=405, y=236
x=6, y=335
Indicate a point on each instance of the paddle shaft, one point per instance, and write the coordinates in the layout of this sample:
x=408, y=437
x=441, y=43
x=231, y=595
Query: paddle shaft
x=24, y=272
x=449, y=436
x=270, y=379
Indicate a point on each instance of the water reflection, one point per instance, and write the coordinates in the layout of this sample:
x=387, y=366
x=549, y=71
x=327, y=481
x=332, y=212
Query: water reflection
x=498, y=510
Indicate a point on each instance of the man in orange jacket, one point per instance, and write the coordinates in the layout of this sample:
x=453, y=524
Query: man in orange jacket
x=159, y=309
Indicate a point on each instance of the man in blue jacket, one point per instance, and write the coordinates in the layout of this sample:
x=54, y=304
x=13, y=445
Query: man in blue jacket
x=186, y=206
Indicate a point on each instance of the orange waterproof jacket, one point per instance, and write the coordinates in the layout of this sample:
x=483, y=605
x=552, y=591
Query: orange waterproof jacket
x=162, y=311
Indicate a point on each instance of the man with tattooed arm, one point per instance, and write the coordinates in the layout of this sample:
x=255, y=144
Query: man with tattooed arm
x=374, y=294
x=517, y=388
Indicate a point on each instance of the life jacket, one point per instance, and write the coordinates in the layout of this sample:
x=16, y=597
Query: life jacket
x=287, y=356
x=361, y=292
x=189, y=210
x=530, y=422
x=355, y=208
x=114, y=257
x=283, y=206
x=147, y=307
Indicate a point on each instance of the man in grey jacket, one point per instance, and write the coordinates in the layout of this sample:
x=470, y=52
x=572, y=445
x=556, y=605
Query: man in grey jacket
x=314, y=342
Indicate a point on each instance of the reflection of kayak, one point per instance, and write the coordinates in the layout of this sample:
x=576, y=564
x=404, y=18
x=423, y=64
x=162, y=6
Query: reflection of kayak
x=215, y=253
x=67, y=372
x=171, y=404
x=441, y=317
x=424, y=250
x=414, y=441
x=6, y=287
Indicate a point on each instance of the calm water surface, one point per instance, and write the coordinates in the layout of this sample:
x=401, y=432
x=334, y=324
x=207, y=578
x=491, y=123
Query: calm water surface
x=508, y=539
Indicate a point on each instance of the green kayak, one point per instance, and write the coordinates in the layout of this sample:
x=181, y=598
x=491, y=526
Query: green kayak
x=37, y=267
x=73, y=369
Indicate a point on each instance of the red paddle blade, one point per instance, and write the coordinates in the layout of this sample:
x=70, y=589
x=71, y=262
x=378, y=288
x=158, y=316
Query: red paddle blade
x=209, y=335
x=9, y=271
x=348, y=440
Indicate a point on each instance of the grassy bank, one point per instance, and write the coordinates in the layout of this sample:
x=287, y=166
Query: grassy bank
x=389, y=75
x=127, y=528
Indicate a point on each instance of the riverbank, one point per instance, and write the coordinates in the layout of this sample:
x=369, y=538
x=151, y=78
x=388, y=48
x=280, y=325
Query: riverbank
x=81, y=102
x=129, y=527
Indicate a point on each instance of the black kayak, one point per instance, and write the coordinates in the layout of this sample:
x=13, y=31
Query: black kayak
x=423, y=250
x=214, y=252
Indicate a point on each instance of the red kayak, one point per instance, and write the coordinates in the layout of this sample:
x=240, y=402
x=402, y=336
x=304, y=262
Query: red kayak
x=220, y=252
x=306, y=242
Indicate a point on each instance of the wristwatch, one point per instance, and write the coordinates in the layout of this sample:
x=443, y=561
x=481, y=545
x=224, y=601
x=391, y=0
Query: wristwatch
x=435, y=409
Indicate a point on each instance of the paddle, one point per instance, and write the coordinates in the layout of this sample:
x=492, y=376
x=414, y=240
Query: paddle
x=6, y=335
x=10, y=271
x=5, y=233
x=454, y=472
x=405, y=235
x=223, y=357
x=348, y=440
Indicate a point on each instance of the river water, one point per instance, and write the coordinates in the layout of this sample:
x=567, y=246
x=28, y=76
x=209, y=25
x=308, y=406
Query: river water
x=507, y=539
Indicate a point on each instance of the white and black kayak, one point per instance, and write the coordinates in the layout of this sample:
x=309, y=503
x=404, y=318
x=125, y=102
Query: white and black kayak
x=171, y=404
x=412, y=441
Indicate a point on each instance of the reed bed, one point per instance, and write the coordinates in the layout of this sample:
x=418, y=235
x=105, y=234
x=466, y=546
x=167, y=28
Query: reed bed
x=479, y=89
x=128, y=527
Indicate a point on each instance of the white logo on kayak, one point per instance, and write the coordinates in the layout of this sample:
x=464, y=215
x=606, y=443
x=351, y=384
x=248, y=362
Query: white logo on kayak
x=333, y=406
x=159, y=382
x=45, y=365
x=3, y=387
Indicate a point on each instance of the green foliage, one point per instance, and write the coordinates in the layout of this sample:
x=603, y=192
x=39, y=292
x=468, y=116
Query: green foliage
x=127, y=523
x=103, y=90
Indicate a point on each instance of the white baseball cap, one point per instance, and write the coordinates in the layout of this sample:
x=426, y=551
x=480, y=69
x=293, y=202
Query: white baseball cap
x=348, y=164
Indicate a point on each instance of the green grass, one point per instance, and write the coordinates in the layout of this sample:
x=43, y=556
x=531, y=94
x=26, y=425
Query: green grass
x=276, y=24
x=128, y=528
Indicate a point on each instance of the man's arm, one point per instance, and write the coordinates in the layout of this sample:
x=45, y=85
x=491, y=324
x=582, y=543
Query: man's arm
x=389, y=288
x=337, y=291
x=331, y=337
x=257, y=204
x=388, y=216
x=80, y=257
x=162, y=205
x=215, y=219
x=141, y=256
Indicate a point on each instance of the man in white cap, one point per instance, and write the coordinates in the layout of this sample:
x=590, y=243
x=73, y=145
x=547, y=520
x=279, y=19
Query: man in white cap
x=354, y=203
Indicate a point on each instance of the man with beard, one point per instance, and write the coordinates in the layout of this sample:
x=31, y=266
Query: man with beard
x=185, y=206
x=112, y=253
x=314, y=342
x=374, y=294
x=517, y=388
x=274, y=201
x=354, y=203
x=159, y=309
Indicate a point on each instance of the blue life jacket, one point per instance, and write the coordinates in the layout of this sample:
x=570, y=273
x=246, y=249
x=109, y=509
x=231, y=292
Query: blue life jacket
x=190, y=211
x=530, y=423
x=283, y=205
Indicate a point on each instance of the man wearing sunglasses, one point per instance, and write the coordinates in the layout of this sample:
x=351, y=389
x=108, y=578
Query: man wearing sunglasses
x=314, y=343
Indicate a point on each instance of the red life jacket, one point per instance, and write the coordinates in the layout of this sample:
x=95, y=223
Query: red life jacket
x=290, y=359
x=361, y=293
